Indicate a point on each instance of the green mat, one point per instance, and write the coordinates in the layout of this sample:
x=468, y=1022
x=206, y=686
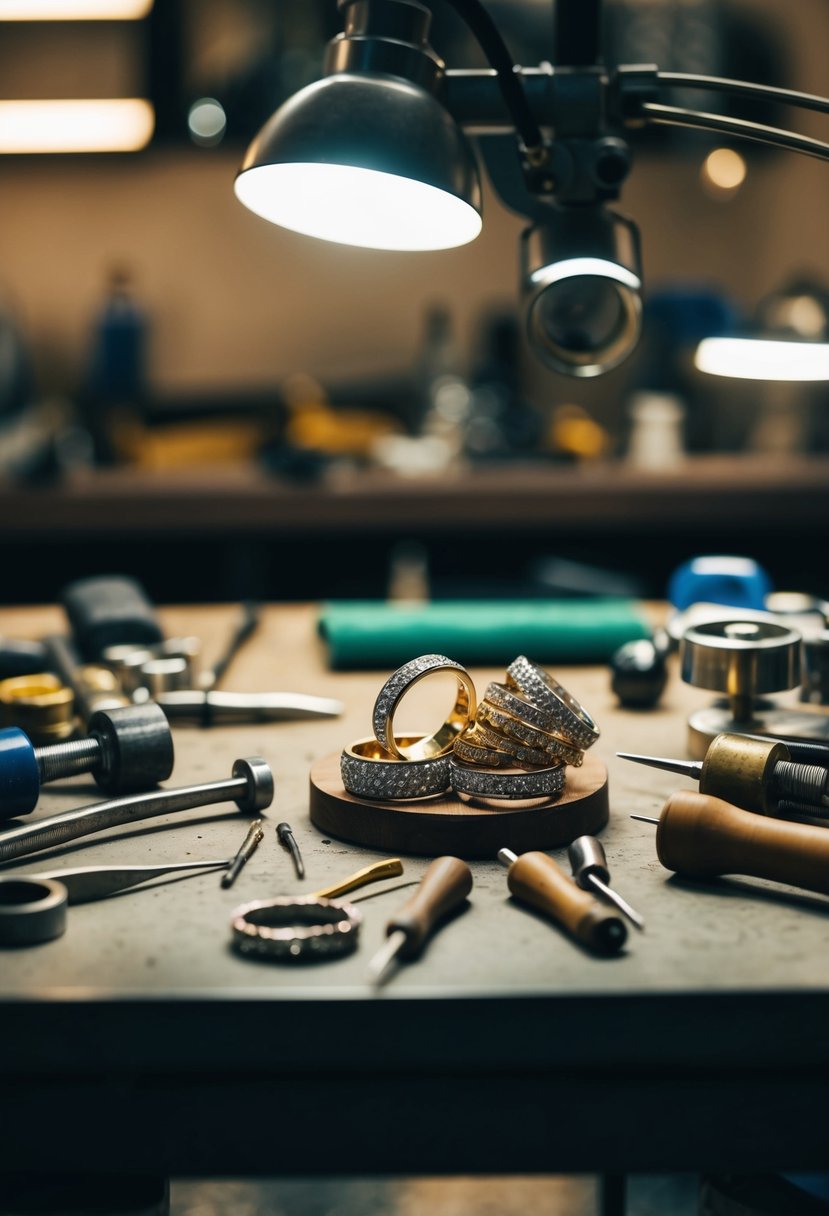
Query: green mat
x=373, y=633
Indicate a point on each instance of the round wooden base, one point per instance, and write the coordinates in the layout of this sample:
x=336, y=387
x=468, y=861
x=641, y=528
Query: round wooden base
x=432, y=827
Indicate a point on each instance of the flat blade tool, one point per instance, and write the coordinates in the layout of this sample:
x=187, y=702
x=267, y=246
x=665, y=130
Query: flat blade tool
x=590, y=870
x=88, y=883
x=750, y=772
x=705, y=837
x=443, y=887
x=391, y=868
x=535, y=879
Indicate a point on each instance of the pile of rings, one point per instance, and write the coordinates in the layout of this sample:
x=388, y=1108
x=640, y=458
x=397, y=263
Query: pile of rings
x=515, y=744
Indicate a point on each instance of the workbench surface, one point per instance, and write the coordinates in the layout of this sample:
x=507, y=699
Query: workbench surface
x=491, y=1052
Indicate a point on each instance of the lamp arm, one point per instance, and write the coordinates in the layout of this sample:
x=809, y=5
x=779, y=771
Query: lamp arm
x=509, y=79
x=684, y=80
x=674, y=116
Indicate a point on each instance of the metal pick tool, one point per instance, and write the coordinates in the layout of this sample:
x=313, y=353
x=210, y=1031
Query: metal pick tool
x=246, y=850
x=287, y=839
x=590, y=870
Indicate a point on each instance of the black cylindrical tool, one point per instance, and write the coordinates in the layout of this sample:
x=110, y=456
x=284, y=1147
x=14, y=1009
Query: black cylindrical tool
x=110, y=610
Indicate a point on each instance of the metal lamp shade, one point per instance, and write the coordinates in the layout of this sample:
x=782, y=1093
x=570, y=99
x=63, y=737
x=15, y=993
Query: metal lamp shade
x=365, y=159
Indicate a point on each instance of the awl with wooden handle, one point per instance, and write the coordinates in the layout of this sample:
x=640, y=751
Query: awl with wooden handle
x=443, y=887
x=534, y=878
x=705, y=837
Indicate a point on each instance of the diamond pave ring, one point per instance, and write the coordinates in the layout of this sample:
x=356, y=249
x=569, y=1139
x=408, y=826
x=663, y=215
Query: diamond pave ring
x=369, y=771
x=427, y=747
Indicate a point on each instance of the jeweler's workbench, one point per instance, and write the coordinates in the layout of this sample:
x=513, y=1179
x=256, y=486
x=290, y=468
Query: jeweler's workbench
x=151, y=1045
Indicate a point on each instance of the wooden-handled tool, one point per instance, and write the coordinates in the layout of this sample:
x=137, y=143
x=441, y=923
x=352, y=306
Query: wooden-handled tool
x=536, y=879
x=444, y=886
x=705, y=837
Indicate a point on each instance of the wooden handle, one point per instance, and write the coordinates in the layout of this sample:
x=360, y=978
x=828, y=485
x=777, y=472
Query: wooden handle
x=703, y=837
x=536, y=879
x=446, y=883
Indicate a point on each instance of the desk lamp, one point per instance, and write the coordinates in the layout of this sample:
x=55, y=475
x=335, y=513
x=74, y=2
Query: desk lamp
x=789, y=342
x=376, y=154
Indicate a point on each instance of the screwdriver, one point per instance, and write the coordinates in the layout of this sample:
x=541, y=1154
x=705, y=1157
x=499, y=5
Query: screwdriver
x=589, y=863
x=534, y=878
x=704, y=837
x=443, y=887
x=750, y=772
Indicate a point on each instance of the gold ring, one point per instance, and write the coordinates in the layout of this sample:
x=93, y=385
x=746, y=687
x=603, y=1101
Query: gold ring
x=428, y=747
x=368, y=770
x=521, y=755
x=506, y=725
x=471, y=748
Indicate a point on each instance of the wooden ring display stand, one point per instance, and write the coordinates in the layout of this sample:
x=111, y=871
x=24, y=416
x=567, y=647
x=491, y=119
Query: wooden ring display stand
x=431, y=827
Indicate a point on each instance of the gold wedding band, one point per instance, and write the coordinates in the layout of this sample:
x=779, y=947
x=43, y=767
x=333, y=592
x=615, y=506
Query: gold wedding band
x=429, y=747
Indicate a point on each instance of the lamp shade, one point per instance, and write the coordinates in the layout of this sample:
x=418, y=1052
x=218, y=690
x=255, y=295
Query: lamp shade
x=365, y=159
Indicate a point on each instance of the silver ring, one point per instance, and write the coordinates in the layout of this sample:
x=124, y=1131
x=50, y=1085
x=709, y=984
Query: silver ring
x=295, y=929
x=398, y=684
x=369, y=771
x=483, y=783
x=570, y=718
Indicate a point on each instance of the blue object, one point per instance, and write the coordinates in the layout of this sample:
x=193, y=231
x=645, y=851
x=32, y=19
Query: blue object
x=19, y=773
x=739, y=582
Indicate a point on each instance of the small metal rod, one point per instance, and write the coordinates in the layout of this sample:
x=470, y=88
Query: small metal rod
x=246, y=626
x=615, y=898
x=246, y=850
x=286, y=838
x=645, y=818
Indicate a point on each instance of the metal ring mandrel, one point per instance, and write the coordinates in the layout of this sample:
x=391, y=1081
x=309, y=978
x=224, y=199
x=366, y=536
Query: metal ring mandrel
x=295, y=929
x=32, y=910
x=368, y=770
x=251, y=787
x=128, y=748
x=428, y=747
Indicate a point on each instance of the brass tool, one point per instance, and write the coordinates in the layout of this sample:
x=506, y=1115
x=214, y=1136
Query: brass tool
x=246, y=850
x=590, y=870
x=535, y=879
x=753, y=773
x=443, y=887
x=40, y=704
x=286, y=838
x=392, y=868
x=704, y=837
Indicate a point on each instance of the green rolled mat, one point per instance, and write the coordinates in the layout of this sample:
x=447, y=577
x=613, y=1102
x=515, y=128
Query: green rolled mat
x=373, y=633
